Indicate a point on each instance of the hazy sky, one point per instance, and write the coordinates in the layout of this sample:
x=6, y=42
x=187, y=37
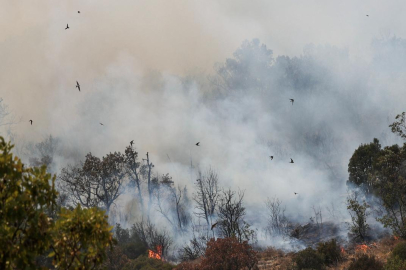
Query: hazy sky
x=128, y=56
x=38, y=55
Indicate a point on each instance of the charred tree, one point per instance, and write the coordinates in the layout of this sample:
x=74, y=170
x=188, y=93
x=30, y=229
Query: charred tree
x=207, y=196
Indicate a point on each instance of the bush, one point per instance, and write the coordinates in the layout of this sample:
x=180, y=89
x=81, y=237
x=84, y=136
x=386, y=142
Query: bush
x=365, y=262
x=308, y=259
x=145, y=263
x=134, y=249
x=228, y=253
x=187, y=266
x=330, y=252
x=400, y=251
x=395, y=263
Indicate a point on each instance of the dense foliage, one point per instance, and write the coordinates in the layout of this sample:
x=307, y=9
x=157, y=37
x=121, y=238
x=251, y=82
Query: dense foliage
x=365, y=262
x=309, y=259
x=77, y=239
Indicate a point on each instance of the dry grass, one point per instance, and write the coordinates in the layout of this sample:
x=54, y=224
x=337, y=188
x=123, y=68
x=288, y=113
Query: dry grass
x=273, y=259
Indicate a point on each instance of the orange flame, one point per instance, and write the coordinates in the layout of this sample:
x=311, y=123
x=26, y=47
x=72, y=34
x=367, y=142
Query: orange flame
x=156, y=255
x=363, y=248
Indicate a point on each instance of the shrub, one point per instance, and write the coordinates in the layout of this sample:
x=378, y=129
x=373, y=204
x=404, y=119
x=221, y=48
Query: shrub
x=400, y=251
x=133, y=249
x=187, y=266
x=365, y=262
x=145, y=263
x=228, y=253
x=395, y=263
x=330, y=252
x=308, y=259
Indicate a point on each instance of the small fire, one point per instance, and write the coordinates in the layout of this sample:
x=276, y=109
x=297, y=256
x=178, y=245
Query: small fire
x=396, y=237
x=156, y=255
x=363, y=248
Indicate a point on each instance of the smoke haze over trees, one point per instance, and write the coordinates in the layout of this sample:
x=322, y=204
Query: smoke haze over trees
x=233, y=98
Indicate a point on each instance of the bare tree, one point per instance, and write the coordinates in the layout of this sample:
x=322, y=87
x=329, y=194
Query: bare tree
x=197, y=245
x=231, y=213
x=95, y=183
x=148, y=172
x=5, y=116
x=278, y=224
x=172, y=203
x=152, y=238
x=134, y=170
x=207, y=195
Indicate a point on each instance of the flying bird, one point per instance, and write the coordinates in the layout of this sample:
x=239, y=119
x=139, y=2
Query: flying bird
x=271, y=157
x=295, y=193
x=367, y=15
x=67, y=26
x=292, y=100
x=197, y=144
x=131, y=143
x=101, y=124
x=78, y=11
x=31, y=122
x=214, y=225
x=291, y=161
x=78, y=85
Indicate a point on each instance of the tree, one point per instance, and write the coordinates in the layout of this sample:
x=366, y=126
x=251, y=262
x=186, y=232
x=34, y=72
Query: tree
x=247, y=69
x=152, y=238
x=97, y=182
x=277, y=223
x=361, y=165
x=172, y=203
x=134, y=170
x=390, y=178
x=25, y=193
x=77, y=239
x=228, y=254
x=43, y=153
x=359, y=215
x=231, y=215
x=207, y=196
x=399, y=126
x=80, y=238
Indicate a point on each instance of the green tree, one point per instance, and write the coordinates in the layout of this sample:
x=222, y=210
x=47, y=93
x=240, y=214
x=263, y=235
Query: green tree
x=80, y=238
x=358, y=212
x=399, y=126
x=389, y=178
x=25, y=193
x=361, y=165
x=76, y=240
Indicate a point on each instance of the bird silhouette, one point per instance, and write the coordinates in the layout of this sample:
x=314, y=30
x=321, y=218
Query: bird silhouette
x=131, y=143
x=271, y=157
x=291, y=161
x=78, y=85
x=197, y=144
x=367, y=15
x=78, y=11
x=67, y=26
x=214, y=225
x=292, y=100
x=31, y=122
x=101, y=124
x=295, y=193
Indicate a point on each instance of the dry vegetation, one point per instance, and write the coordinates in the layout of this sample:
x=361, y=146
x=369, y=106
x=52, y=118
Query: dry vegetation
x=273, y=259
